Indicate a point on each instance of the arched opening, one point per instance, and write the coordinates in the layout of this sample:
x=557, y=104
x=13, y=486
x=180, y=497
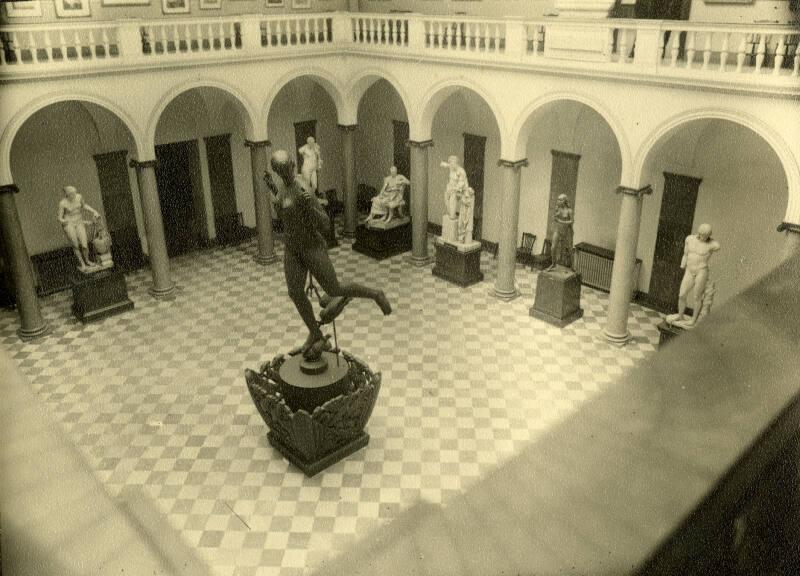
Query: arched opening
x=203, y=171
x=719, y=172
x=463, y=124
x=571, y=149
x=382, y=137
x=303, y=108
x=84, y=145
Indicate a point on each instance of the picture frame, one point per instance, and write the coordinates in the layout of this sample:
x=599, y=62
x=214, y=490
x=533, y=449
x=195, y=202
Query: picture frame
x=276, y=3
x=73, y=8
x=210, y=4
x=29, y=9
x=126, y=2
x=301, y=4
x=175, y=6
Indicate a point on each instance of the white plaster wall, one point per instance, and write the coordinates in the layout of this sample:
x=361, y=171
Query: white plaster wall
x=379, y=107
x=54, y=148
x=493, y=8
x=304, y=99
x=743, y=196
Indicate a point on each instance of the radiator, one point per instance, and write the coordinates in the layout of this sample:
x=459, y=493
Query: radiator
x=595, y=264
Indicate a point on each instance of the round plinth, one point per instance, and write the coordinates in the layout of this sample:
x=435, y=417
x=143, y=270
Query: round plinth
x=304, y=391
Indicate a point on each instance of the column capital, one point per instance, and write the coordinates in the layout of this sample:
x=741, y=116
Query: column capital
x=257, y=143
x=638, y=192
x=419, y=143
x=9, y=189
x=514, y=164
x=143, y=164
x=347, y=127
x=789, y=227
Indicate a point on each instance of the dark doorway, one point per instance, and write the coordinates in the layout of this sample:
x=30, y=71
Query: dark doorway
x=302, y=130
x=674, y=225
x=181, y=194
x=474, y=158
x=563, y=180
x=115, y=188
x=402, y=155
x=223, y=191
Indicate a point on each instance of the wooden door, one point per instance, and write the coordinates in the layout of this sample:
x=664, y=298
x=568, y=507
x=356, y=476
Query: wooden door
x=474, y=159
x=563, y=180
x=115, y=188
x=674, y=225
x=223, y=190
x=402, y=154
x=302, y=130
x=175, y=175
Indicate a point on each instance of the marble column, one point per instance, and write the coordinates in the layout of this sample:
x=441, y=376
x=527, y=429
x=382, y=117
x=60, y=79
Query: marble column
x=263, y=202
x=619, y=300
x=162, y=288
x=350, y=192
x=504, y=285
x=419, y=202
x=791, y=245
x=32, y=324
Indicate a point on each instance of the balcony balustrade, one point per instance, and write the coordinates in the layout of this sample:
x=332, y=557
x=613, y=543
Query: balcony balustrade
x=751, y=55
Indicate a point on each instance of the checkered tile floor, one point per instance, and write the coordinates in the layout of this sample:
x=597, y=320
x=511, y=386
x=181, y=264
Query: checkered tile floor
x=156, y=399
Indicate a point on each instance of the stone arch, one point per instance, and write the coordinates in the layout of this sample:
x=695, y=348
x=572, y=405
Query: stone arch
x=524, y=124
x=790, y=166
x=359, y=86
x=328, y=82
x=11, y=131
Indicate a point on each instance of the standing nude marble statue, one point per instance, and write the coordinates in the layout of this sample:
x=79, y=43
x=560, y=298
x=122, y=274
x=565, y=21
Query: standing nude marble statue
x=70, y=215
x=697, y=251
x=562, y=234
x=306, y=251
x=390, y=198
x=312, y=162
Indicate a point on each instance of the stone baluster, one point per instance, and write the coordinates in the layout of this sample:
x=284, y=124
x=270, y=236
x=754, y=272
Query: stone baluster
x=796, y=69
x=675, y=49
x=780, y=55
x=741, y=53
x=690, y=48
x=723, y=54
x=707, y=50
x=761, y=52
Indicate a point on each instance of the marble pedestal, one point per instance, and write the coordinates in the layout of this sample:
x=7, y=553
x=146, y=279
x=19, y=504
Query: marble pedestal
x=380, y=240
x=98, y=295
x=458, y=263
x=558, y=297
x=315, y=420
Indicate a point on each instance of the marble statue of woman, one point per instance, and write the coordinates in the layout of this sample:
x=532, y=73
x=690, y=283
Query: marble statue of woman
x=390, y=198
x=70, y=215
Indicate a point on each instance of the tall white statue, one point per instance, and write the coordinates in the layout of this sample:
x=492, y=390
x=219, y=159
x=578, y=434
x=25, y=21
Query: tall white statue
x=457, y=187
x=70, y=215
x=390, y=199
x=697, y=251
x=312, y=162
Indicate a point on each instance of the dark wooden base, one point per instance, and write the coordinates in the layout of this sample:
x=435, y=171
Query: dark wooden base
x=312, y=467
x=380, y=244
x=667, y=332
x=453, y=265
x=558, y=297
x=307, y=391
x=99, y=295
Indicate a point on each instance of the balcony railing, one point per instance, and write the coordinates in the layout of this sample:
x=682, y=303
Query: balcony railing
x=745, y=54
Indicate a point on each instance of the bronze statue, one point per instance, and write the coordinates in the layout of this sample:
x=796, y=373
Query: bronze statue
x=306, y=252
x=562, y=234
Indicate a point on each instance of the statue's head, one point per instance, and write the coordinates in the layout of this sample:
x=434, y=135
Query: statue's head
x=453, y=161
x=393, y=170
x=562, y=200
x=310, y=140
x=70, y=192
x=704, y=232
x=283, y=165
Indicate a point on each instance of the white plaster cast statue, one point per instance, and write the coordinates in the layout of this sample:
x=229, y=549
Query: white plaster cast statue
x=466, y=216
x=390, y=199
x=312, y=162
x=456, y=185
x=70, y=215
x=697, y=251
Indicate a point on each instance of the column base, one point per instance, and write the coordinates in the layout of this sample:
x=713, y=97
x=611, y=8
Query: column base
x=162, y=293
x=505, y=296
x=266, y=260
x=28, y=334
x=619, y=340
x=419, y=261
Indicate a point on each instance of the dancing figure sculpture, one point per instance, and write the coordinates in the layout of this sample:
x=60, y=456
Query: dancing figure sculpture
x=70, y=214
x=306, y=252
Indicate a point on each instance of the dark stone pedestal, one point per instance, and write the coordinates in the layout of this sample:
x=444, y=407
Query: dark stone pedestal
x=315, y=420
x=462, y=267
x=558, y=297
x=667, y=332
x=383, y=243
x=98, y=295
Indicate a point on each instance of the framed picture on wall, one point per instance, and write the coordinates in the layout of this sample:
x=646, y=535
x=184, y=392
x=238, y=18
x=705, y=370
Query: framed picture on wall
x=126, y=2
x=301, y=4
x=72, y=8
x=210, y=4
x=28, y=9
x=175, y=6
x=275, y=3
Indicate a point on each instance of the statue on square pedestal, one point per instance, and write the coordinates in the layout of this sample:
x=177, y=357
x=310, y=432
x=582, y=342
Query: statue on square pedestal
x=390, y=199
x=697, y=251
x=70, y=215
x=312, y=162
x=459, y=202
x=561, y=244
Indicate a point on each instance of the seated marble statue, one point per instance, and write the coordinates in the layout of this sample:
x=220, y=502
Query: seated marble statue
x=390, y=199
x=561, y=243
x=70, y=215
x=697, y=251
